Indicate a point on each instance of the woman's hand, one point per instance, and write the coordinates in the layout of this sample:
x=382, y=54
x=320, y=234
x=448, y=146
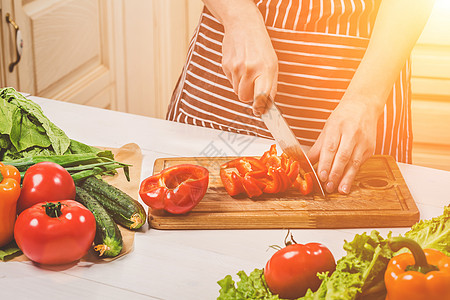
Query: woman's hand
x=346, y=141
x=250, y=63
x=248, y=58
x=349, y=135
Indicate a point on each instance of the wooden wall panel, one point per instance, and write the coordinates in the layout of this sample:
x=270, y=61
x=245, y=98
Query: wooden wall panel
x=431, y=91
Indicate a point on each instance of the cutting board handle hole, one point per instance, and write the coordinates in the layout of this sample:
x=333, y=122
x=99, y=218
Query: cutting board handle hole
x=377, y=183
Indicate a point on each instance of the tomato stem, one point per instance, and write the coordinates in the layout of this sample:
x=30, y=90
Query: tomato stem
x=291, y=241
x=53, y=209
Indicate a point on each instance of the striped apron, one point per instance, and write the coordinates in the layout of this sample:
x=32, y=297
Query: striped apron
x=319, y=44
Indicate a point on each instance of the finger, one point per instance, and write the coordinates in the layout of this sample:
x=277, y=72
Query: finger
x=314, y=152
x=262, y=88
x=233, y=72
x=353, y=166
x=343, y=156
x=246, y=88
x=329, y=146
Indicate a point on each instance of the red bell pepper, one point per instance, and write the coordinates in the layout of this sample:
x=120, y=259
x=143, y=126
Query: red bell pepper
x=421, y=274
x=177, y=189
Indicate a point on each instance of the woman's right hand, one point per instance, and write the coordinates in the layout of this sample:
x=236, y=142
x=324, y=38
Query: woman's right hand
x=249, y=60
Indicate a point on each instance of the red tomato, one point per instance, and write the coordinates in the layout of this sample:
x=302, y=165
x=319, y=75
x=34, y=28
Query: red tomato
x=55, y=233
x=291, y=271
x=45, y=182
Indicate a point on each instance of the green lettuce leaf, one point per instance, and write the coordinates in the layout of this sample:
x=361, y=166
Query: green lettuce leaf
x=434, y=233
x=252, y=286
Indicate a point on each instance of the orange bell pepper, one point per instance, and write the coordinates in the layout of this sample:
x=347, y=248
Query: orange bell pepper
x=422, y=275
x=9, y=194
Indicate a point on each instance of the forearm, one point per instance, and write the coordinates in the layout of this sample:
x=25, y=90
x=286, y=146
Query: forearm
x=398, y=26
x=234, y=13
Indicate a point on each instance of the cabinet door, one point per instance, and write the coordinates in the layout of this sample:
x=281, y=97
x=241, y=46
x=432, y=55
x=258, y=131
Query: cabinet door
x=7, y=47
x=68, y=51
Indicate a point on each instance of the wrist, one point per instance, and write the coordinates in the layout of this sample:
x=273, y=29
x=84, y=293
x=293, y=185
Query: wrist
x=248, y=15
x=365, y=103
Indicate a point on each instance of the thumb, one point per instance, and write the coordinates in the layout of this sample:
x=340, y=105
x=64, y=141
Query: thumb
x=262, y=90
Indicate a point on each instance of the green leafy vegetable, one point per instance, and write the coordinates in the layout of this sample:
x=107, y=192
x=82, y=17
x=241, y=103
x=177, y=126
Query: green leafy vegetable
x=249, y=287
x=25, y=131
x=434, y=233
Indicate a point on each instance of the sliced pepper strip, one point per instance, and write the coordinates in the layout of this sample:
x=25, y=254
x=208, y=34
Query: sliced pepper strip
x=304, y=184
x=177, y=189
x=251, y=187
x=232, y=181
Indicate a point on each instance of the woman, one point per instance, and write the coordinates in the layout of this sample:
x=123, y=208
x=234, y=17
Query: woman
x=338, y=70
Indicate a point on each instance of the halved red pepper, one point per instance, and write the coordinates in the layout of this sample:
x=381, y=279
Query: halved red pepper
x=177, y=189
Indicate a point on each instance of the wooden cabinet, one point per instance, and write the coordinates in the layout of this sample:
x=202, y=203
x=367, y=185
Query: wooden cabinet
x=69, y=50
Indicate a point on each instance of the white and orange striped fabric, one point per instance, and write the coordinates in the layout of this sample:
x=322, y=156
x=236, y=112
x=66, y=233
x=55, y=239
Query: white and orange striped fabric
x=319, y=44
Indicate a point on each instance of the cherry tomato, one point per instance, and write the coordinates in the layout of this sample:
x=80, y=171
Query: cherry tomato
x=291, y=271
x=55, y=232
x=45, y=182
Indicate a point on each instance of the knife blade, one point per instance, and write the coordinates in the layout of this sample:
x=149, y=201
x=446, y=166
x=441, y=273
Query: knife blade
x=287, y=141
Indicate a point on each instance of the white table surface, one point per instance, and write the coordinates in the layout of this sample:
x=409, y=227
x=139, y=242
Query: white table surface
x=180, y=264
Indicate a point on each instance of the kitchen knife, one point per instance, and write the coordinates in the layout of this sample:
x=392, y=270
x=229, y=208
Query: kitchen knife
x=287, y=141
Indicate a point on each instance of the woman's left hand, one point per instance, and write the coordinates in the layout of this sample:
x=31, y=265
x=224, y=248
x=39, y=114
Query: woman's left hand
x=346, y=141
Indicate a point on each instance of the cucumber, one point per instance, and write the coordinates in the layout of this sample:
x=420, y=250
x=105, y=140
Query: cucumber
x=108, y=239
x=123, y=208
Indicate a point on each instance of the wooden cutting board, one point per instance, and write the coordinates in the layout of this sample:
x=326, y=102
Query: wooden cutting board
x=379, y=198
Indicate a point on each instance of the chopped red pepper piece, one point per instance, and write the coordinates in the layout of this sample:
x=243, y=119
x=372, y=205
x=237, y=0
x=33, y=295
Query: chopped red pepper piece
x=269, y=174
x=293, y=171
x=231, y=181
x=252, y=186
x=177, y=189
x=304, y=185
x=272, y=182
x=271, y=152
